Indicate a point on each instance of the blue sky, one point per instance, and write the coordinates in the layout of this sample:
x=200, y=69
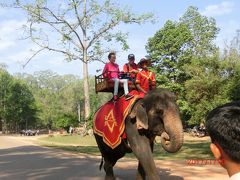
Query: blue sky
x=14, y=52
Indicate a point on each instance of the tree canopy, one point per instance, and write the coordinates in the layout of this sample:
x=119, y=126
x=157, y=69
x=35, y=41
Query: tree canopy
x=17, y=104
x=188, y=62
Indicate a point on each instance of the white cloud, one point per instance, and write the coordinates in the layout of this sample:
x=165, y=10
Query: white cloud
x=10, y=26
x=223, y=8
x=9, y=33
x=3, y=11
x=4, y=44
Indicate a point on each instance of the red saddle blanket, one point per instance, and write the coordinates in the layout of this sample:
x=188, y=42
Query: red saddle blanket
x=109, y=119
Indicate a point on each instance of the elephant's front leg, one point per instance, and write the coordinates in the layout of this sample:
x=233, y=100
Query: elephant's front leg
x=140, y=173
x=140, y=145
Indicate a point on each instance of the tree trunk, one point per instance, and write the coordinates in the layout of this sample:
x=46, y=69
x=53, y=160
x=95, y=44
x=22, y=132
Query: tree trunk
x=85, y=65
x=5, y=128
x=86, y=87
x=0, y=124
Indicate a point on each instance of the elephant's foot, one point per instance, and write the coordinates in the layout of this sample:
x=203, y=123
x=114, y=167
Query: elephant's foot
x=140, y=177
x=110, y=177
x=140, y=173
x=108, y=167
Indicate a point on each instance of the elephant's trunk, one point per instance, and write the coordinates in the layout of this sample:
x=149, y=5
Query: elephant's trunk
x=172, y=138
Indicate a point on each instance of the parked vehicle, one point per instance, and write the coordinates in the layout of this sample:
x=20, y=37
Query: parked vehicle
x=29, y=132
x=198, y=131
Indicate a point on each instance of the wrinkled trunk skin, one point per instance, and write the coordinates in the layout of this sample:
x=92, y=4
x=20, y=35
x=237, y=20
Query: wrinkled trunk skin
x=172, y=138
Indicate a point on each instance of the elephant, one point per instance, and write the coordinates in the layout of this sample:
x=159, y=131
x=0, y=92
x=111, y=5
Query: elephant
x=158, y=115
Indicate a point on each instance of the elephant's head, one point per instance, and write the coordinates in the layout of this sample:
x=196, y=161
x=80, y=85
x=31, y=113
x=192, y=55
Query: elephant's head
x=164, y=119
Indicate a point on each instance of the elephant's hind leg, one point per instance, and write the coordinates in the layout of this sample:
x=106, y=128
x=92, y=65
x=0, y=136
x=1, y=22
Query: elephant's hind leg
x=108, y=167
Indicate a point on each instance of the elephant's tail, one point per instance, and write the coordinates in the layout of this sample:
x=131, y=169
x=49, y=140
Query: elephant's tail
x=100, y=167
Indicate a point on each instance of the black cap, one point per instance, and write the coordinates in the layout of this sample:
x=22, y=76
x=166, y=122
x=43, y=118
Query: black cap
x=131, y=56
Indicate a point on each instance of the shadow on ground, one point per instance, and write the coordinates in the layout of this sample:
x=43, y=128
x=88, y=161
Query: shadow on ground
x=33, y=162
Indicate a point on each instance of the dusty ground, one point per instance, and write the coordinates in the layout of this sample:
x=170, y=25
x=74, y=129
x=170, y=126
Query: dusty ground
x=21, y=158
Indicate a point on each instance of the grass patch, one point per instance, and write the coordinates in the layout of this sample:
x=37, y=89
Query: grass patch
x=193, y=148
x=70, y=140
x=74, y=143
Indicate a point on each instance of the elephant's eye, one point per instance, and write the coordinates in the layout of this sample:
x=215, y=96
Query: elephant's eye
x=160, y=111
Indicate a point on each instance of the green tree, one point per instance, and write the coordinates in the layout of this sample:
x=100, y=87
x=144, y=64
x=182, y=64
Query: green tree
x=65, y=121
x=181, y=51
x=78, y=29
x=59, y=97
x=204, y=31
x=169, y=48
x=207, y=87
x=20, y=107
x=5, y=81
x=17, y=105
x=231, y=65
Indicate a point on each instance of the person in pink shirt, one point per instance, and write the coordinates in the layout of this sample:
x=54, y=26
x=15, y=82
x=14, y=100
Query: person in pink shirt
x=111, y=71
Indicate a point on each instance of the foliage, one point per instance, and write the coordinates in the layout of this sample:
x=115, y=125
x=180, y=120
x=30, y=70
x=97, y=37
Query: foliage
x=5, y=81
x=65, y=121
x=59, y=97
x=203, y=30
x=187, y=61
x=17, y=104
x=205, y=90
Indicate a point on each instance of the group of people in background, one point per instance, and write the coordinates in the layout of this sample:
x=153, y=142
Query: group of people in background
x=138, y=74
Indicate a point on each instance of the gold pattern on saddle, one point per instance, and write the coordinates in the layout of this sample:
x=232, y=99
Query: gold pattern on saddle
x=110, y=121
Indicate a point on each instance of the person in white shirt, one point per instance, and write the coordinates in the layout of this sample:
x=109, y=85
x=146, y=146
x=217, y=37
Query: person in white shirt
x=223, y=125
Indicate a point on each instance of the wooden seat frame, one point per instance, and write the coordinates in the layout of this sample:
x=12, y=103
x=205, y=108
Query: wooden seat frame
x=104, y=84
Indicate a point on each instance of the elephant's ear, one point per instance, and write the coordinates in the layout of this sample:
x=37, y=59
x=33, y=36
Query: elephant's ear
x=140, y=114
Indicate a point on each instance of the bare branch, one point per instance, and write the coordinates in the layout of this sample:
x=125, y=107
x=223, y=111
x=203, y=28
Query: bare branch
x=67, y=23
x=37, y=52
x=109, y=26
x=99, y=60
x=70, y=56
x=77, y=14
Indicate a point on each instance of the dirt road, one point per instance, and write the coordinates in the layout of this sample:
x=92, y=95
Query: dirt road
x=21, y=159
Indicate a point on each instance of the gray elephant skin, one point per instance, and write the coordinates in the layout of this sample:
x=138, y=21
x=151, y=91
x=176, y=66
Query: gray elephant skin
x=158, y=114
